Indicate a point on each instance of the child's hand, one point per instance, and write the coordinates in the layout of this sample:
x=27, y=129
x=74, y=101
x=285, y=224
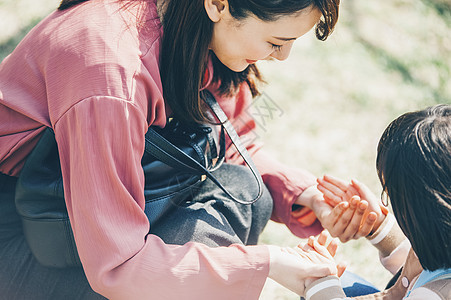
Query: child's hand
x=290, y=267
x=325, y=239
x=350, y=220
x=345, y=225
x=326, y=247
x=374, y=203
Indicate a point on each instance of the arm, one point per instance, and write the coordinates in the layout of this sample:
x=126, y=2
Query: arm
x=101, y=144
x=393, y=246
x=105, y=205
x=101, y=141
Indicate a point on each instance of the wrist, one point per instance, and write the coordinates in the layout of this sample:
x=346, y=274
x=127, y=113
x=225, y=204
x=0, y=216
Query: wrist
x=381, y=219
x=309, y=197
x=325, y=288
x=274, y=252
x=387, y=237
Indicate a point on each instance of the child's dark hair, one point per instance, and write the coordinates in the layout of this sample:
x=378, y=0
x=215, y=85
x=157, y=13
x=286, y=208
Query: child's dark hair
x=414, y=167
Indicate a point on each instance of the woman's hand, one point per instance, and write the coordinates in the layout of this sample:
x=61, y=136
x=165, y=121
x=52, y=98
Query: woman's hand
x=291, y=267
x=313, y=199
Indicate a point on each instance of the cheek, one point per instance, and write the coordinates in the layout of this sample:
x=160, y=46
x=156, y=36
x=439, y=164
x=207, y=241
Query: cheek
x=224, y=43
x=233, y=49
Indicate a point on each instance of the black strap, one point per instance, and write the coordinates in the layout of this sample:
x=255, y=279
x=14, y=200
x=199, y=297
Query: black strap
x=166, y=152
x=219, y=113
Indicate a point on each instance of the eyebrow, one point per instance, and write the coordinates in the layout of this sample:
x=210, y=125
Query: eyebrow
x=284, y=39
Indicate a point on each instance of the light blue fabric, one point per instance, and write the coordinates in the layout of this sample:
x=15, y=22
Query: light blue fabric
x=427, y=276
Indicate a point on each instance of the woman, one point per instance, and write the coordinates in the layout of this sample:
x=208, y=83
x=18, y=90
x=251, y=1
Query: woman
x=99, y=73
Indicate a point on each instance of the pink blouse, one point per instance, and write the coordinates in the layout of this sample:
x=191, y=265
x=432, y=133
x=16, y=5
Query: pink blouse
x=92, y=74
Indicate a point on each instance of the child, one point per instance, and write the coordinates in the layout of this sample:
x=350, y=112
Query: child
x=414, y=167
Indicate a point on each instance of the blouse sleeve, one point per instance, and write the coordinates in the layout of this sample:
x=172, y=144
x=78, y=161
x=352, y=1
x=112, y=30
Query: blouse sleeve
x=392, y=244
x=101, y=142
x=283, y=182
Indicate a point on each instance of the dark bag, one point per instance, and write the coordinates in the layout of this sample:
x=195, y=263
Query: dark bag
x=176, y=160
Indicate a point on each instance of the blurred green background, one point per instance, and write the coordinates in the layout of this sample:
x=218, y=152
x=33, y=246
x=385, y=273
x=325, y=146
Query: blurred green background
x=332, y=100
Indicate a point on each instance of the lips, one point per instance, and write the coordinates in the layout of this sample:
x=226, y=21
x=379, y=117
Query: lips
x=251, y=61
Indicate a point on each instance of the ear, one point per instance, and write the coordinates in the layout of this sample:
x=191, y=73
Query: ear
x=215, y=9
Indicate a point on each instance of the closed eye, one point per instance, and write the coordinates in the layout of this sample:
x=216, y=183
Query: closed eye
x=276, y=47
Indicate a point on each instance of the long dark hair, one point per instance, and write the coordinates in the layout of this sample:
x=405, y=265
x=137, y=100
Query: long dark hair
x=414, y=167
x=187, y=35
x=187, y=27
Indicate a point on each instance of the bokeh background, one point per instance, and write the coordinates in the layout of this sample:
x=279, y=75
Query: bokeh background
x=326, y=106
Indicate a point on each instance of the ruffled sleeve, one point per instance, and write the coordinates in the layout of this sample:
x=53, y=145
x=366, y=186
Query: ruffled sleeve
x=101, y=142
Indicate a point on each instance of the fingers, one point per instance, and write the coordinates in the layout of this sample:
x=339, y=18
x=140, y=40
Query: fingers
x=333, y=217
x=290, y=267
x=367, y=194
x=384, y=209
x=325, y=240
x=367, y=225
x=321, y=270
x=339, y=228
x=321, y=249
x=336, y=190
x=329, y=195
x=351, y=191
x=333, y=247
x=341, y=268
x=352, y=230
x=351, y=222
x=323, y=237
x=341, y=184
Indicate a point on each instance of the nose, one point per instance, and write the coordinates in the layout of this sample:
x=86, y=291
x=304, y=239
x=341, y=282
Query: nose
x=283, y=53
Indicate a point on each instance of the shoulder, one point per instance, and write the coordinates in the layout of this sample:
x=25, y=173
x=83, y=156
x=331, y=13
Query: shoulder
x=433, y=285
x=97, y=49
x=109, y=20
x=437, y=290
x=100, y=32
x=441, y=287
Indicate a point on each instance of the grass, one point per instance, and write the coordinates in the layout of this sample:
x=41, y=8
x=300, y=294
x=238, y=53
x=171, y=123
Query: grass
x=332, y=99
x=337, y=97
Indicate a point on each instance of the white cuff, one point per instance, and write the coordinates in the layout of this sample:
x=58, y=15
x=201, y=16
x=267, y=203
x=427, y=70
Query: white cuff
x=321, y=286
x=380, y=235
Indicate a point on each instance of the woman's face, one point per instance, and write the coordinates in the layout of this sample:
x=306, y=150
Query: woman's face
x=240, y=43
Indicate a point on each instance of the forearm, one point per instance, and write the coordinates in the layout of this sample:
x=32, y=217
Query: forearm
x=392, y=244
